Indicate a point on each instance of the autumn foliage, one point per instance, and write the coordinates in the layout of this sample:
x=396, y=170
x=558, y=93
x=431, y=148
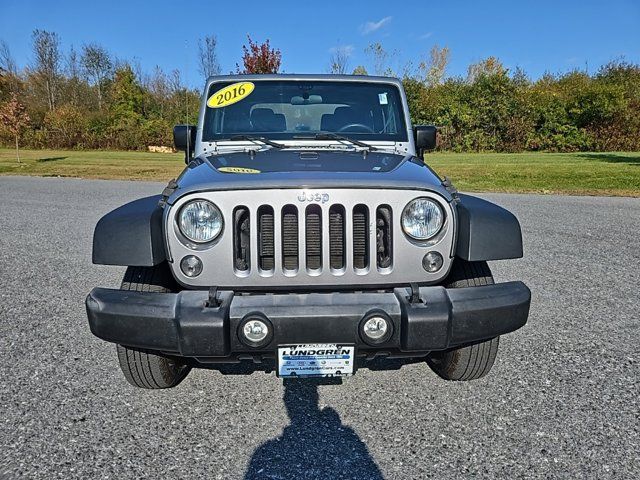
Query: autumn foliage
x=89, y=99
x=260, y=58
x=14, y=119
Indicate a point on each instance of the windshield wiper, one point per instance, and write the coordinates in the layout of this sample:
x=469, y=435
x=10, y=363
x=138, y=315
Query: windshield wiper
x=256, y=140
x=335, y=136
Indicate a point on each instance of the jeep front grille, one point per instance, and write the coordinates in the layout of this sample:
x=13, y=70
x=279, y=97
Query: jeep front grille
x=313, y=238
x=287, y=238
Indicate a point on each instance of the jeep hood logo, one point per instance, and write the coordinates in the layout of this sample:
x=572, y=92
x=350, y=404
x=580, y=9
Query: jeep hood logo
x=313, y=197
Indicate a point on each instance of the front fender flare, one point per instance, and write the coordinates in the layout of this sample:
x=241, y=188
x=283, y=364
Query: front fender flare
x=486, y=231
x=131, y=235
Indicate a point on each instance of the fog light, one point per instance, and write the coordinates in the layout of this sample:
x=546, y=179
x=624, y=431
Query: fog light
x=376, y=328
x=191, y=266
x=255, y=330
x=432, y=262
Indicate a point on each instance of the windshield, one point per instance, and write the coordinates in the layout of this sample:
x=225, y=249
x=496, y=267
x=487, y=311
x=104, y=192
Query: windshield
x=290, y=109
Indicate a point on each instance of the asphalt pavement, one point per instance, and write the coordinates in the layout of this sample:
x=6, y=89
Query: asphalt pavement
x=560, y=402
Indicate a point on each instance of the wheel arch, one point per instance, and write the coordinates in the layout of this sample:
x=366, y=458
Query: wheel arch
x=486, y=231
x=131, y=235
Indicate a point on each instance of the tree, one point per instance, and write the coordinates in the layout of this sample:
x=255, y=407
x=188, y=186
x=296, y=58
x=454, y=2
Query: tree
x=260, y=58
x=359, y=70
x=380, y=58
x=7, y=63
x=9, y=79
x=46, y=50
x=65, y=127
x=208, y=58
x=433, y=69
x=488, y=66
x=127, y=100
x=14, y=117
x=73, y=85
x=339, y=60
x=97, y=65
x=159, y=88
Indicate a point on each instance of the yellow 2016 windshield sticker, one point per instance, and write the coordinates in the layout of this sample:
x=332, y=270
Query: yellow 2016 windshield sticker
x=237, y=170
x=230, y=94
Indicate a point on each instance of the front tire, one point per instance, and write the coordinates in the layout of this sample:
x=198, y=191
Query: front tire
x=145, y=368
x=472, y=361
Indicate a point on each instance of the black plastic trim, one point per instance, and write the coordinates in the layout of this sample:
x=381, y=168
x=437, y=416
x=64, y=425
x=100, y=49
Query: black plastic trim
x=131, y=235
x=486, y=231
x=183, y=324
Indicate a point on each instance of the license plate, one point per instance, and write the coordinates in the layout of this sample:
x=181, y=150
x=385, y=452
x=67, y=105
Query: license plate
x=315, y=360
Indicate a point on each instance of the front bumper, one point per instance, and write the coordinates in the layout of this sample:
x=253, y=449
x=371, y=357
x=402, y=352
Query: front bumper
x=182, y=323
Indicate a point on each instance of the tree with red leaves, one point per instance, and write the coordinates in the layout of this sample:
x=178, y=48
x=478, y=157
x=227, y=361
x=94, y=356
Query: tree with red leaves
x=260, y=58
x=14, y=117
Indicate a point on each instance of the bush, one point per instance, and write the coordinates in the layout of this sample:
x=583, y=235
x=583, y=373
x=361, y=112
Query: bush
x=490, y=110
x=65, y=127
x=495, y=111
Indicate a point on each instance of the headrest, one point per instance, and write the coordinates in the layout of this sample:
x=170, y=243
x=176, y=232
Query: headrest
x=332, y=122
x=265, y=120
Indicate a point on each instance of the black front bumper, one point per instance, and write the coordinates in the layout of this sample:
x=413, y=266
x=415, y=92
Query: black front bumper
x=183, y=324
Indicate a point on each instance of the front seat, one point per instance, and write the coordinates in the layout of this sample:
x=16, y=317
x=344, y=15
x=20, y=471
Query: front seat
x=341, y=117
x=265, y=120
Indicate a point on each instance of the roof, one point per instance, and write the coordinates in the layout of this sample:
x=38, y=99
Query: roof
x=303, y=76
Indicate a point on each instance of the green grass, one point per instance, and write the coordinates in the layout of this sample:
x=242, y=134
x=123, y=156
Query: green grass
x=549, y=173
x=92, y=164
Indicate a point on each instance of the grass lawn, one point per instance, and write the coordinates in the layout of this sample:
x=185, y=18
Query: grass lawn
x=616, y=173
x=92, y=164
x=549, y=173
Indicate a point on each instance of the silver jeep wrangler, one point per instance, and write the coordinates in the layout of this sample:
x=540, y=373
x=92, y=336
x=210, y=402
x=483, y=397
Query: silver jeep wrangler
x=306, y=235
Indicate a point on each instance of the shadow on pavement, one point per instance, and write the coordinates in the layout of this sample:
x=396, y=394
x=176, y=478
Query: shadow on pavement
x=315, y=445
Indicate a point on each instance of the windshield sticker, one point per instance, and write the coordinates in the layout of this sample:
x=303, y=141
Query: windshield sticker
x=237, y=170
x=230, y=94
x=383, y=98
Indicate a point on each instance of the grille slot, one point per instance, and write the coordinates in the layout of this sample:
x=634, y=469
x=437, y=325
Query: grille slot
x=241, y=239
x=384, y=240
x=336, y=237
x=313, y=237
x=289, y=237
x=360, y=236
x=266, y=239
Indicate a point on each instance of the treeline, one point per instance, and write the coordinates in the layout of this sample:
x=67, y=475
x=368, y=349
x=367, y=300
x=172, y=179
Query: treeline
x=87, y=98
x=493, y=110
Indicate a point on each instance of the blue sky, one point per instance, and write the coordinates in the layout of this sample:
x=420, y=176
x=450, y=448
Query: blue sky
x=535, y=35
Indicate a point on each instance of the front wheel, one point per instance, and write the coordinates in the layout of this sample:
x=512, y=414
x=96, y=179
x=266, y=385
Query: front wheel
x=146, y=368
x=465, y=363
x=472, y=361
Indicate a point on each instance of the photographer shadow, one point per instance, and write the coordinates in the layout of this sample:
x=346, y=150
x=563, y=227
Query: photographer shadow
x=315, y=445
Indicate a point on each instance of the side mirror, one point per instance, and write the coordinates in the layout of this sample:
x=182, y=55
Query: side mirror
x=425, y=138
x=184, y=139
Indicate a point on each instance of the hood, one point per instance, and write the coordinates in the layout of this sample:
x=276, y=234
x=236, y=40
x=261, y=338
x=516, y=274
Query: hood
x=272, y=168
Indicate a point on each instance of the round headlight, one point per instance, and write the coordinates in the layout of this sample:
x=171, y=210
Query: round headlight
x=422, y=218
x=200, y=221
